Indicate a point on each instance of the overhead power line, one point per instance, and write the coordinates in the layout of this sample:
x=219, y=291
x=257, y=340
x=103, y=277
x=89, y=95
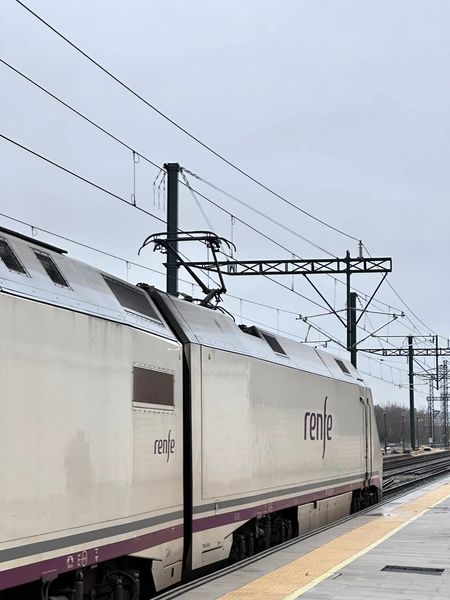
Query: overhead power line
x=183, y=129
x=405, y=304
x=77, y=112
x=150, y=161
x=129, y=147
x=185, y=183
x=258, y=212
x=146, y=268
x=80, y=177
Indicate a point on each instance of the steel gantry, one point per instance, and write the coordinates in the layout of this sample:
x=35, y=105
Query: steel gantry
x=348, y=266
x=168, y=241
x=411, y=352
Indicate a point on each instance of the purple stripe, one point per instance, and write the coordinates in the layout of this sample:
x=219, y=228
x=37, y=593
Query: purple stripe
x=246, y=514
x=50, y=568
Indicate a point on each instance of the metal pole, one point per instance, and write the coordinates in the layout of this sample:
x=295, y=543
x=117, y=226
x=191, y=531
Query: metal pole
x=349, y=302
x=411, y=391
x=353, y=337
x=445, y=401
x=437, y=362
x=403, y=433
x=385, y=432
x=172, y=226
x=418, y=433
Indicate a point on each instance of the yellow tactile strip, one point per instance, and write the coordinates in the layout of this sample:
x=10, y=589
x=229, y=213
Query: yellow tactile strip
x=298, y=576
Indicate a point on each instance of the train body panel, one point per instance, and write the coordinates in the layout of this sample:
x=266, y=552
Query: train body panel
x=265, y=426
x=138, y=429
x=274, y=425
x=92, y=458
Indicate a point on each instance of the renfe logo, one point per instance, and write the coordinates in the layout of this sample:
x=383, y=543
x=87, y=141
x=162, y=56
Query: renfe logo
x=165, y=446
x=318, y=426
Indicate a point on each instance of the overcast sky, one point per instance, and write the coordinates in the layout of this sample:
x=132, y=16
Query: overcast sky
x=342, y=106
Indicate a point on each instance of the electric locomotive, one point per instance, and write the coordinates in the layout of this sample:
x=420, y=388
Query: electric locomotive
x=144, y=437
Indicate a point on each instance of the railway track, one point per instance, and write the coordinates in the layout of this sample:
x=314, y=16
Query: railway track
x=402, y=473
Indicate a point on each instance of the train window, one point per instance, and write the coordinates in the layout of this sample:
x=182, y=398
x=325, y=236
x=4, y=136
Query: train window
x=51, y=269
x=273, y=343
x=153, y=387
x=132, y=298
x=342, y=366
x=10, y=259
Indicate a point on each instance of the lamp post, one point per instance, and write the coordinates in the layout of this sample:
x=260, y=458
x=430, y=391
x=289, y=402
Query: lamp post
x=385, y=432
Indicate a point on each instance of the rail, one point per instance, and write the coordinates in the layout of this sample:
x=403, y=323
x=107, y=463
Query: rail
x=403, y=473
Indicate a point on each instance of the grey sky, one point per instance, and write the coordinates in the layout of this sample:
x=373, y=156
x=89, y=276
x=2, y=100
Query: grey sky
x=340, y=105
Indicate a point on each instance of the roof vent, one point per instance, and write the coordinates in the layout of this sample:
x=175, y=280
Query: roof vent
x=342, y=366
x=273, y=343
x=131, y=298
x=10, y=259
x=51, y=269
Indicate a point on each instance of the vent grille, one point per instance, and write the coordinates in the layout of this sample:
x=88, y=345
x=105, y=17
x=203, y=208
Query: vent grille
x=51, y=269
x=342, y=366
x=413, y=570
x=153, y=387
x=131, y=298
x=274, y=343
x=10, y=259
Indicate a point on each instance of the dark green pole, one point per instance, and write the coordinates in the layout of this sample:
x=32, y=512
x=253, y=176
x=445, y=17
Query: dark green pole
x=172, y=227
x=411, y=391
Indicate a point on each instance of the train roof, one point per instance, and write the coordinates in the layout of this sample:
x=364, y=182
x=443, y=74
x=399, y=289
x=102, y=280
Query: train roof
x=39, y=271
x=200, y=325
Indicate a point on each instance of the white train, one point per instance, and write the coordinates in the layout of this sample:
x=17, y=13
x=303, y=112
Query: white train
x=143, y=437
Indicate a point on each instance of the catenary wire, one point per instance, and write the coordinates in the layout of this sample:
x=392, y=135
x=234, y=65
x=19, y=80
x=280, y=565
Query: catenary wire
x=124, y=144
x=404, y=303
x=258, y=212
x=80, y=177
x=112, y=136
x=140, y=209
x=144, y=267
x=144, y=157
x=202, y=143
x=113, y=194
x=182, y=129
x=129, y=147
x=157, y=166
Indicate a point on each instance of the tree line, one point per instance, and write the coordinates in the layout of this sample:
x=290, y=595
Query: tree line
x=394, y=425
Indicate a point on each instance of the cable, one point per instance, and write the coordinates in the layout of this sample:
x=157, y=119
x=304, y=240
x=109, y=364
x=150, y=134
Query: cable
x=182, y=129
x=122, y=200
x=80, y=177
x=196, y=200
x=258, y=212
x=129, y=262
x=125, y=145
x=83, y=245
x=403, y=302
x=143, y=211
x=77, y=112
x=185, y=183
x=115, y=138
x=138, y=208
x=187, y=133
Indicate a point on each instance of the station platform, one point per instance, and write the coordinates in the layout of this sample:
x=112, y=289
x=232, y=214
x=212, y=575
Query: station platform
x=400, y=549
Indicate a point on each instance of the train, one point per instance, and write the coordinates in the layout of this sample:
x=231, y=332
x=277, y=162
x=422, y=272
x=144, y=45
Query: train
x=146, y=439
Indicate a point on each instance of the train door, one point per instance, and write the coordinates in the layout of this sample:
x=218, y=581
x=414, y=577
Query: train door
x=367, y=434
